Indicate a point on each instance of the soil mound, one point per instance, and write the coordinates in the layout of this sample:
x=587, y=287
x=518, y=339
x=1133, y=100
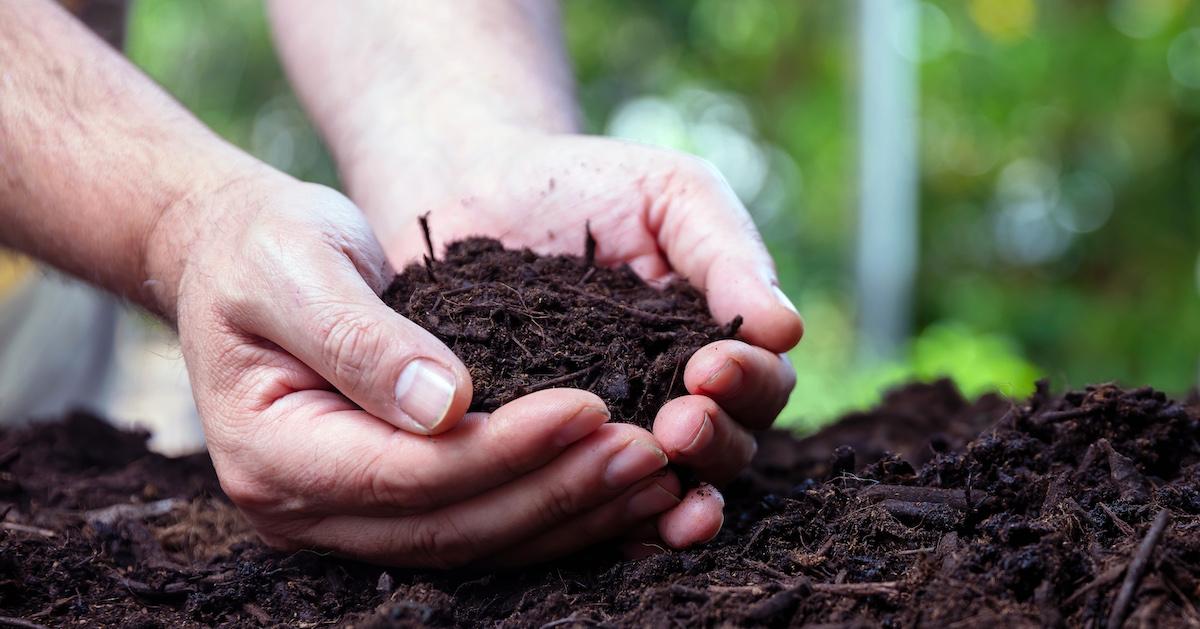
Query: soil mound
x=521, y=322
x=1081, y=510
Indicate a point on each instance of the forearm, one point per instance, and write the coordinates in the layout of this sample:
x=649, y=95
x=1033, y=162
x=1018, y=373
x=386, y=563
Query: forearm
x=93, y=155
x=405, y=89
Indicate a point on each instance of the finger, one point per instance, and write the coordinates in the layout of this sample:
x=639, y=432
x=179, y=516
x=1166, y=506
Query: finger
x=336, y=324
x=696, y=520
x=750, y=383
x=593, y=471
x=327, y=456
x=710, y=239
x=644, y=501
x=696, y=433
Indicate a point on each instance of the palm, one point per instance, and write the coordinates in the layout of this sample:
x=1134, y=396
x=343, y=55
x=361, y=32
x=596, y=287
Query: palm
x=660, y=212
x=544, y=200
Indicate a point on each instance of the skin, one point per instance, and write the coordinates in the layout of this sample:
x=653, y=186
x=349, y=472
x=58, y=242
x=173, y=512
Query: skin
x=494, y=132
x=273, y=284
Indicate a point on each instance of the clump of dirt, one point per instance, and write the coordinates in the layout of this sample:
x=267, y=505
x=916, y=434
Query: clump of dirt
x=1081, y=510
x=521, y=322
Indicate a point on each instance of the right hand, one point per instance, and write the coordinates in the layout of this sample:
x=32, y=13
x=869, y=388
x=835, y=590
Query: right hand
x=328, y=415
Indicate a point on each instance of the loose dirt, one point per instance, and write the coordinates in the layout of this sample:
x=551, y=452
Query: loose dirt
x=522, y=322
x=1081, y=510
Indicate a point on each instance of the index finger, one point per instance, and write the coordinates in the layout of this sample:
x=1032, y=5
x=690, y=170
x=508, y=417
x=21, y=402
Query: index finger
x=710, y=238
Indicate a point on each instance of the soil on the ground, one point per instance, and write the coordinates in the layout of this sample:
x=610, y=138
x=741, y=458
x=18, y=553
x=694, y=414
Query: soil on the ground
x=521, y=322
x=1081, y=510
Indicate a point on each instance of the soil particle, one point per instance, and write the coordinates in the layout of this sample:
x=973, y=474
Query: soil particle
x=1032, y=522
x=521, y=322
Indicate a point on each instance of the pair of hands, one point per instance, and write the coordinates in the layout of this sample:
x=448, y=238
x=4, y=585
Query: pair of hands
x=335, y=423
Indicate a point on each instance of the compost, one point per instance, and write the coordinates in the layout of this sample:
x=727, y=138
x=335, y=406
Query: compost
x=521, y=322
x=1079, y=510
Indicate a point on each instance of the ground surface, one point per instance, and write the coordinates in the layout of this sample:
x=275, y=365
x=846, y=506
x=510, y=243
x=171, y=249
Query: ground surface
x=1041, y=520
x=522, y=322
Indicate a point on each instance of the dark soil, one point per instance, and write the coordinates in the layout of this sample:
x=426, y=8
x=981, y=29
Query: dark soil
x=523, y=322
x=1081, y=510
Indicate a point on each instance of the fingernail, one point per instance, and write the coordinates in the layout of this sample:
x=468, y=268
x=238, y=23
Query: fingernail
x=635, y=461
x=724, y=379
x=424, y=392
x=581, y=425
x=783, y=299
x=650, y=501
x=702, y=438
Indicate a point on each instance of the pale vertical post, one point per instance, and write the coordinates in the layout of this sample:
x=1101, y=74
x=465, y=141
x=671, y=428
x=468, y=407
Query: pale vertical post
x=886, y=254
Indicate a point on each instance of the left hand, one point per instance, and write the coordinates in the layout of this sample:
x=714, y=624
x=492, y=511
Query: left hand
x=662, y=212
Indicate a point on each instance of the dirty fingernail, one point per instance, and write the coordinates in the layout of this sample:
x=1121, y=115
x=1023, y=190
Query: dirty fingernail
x=582, y=424
x=702, y=438
x=650, y=501
x=724, y=379
x=783, y=299
x=424, y=392
x=632, y=463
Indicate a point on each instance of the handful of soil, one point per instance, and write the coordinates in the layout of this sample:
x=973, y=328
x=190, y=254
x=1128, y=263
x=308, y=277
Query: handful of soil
x=522, y=322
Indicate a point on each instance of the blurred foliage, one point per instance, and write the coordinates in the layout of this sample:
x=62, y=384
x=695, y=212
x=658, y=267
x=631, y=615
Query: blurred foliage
x=1059, y=175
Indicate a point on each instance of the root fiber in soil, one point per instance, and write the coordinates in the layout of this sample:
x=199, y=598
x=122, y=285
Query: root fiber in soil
x=1080, y=510
x=521, y=322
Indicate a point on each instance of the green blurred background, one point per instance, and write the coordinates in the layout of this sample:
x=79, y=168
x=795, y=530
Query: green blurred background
x=1058, y=181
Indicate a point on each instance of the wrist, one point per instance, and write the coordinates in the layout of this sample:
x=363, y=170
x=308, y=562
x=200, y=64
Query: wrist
x=213, y=201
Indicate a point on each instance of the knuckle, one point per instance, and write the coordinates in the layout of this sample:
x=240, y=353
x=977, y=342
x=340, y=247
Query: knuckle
x=388, y=485
x=557, y=505
x=440, y=544
x=349, y=346
x=247, y=492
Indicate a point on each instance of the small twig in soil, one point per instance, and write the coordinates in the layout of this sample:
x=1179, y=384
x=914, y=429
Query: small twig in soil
x=777, y=603
x=124, y=511
x=1104, y=578
x=428, y=257
x=1137, y=568
x=857, y=589
x=1120, y=524
x=731, y=328
x=754, y=590
x=568, y=620
x=9, y=621
x=651, y=317
x=8, y=457
x=429, y=268
x=567, y=377
x=765, y=569
x=424, y=221
x=916, y=551
x=589, y=244
x=24, y=528
x=1051, y=417
x=956, y=498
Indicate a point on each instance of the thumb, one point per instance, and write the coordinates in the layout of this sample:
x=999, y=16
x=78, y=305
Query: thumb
x=709, y=238
x=384, y=363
